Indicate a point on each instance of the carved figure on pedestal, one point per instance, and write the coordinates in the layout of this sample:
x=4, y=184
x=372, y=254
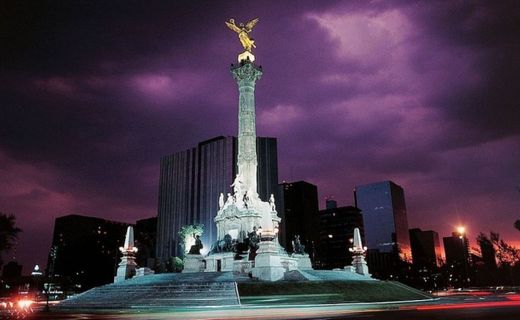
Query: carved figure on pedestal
x=253, y=239
x=237, y=185
x=243, y=32
x=298, y=247
x=230, y=200
x=225, y=245
x=271, y=202
x=221, y=201
x=195, y=249
x=246, y=200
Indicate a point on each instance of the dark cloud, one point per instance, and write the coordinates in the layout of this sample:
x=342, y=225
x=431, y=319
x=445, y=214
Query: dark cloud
x=424, y=93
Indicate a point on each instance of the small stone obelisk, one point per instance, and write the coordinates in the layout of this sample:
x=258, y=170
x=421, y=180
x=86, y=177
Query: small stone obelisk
x=127, y=265
x=358, y=254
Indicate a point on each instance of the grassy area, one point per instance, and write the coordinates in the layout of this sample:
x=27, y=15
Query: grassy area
x=305, y=292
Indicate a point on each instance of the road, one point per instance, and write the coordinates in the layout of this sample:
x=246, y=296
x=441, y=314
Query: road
x=500, y=307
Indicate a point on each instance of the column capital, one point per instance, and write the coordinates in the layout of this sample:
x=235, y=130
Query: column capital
x=246, y=71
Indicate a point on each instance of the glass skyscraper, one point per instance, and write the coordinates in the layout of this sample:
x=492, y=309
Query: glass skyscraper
x=191, y=181
x=384, y=215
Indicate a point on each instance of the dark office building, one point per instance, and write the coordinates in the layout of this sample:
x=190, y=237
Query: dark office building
x=12, y=270
x=384, y=215
x=145, y=234
x=336, y=231
x=190, y=183
x=85, y=249
x=426, y=249
x=297, y=205
x=458, y=258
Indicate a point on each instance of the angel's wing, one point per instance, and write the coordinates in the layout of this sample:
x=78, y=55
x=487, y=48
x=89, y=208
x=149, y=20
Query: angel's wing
x=251, y=24
x=233, y=27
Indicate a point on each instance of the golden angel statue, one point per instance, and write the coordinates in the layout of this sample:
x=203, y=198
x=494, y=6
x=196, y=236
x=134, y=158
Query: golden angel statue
x=243, y=32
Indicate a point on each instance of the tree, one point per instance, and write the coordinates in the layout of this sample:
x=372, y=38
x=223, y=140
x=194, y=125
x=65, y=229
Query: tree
x=506, y=254
x=8, y=233
x=517, y=224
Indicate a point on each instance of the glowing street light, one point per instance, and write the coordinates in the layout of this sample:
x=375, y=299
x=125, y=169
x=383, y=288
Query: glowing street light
x=461, y=230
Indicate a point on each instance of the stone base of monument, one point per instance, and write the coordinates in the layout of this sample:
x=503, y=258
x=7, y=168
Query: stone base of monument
x=193, y=263
x=350, y=269
x=144, y=271
x=174, y=291
x=360, y=265
x=268, y=265
x=219, y=262
x=303, y=260
x=242, y=267
x=158, y=292
x=126, y=269
x=289, y=263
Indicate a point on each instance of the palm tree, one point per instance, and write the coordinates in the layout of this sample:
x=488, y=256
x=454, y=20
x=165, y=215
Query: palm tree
x=8, y=232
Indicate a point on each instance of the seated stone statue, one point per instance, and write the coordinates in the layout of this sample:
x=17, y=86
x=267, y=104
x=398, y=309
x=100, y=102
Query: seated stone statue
x=227, y=244
x=195, y=249
x=253, y=238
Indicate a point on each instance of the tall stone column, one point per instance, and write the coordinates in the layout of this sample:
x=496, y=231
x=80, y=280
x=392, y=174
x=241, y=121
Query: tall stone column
x=246, y=74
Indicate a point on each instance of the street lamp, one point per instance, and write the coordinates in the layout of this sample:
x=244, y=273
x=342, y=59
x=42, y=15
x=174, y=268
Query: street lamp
x=461, y=230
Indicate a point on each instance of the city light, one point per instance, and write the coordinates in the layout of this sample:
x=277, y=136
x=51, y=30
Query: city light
x=24, y=304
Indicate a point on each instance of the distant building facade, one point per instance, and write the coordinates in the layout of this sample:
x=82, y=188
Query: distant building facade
x=426, y=249
x=336, y=232
x=12, y=270
x=297, y=205
x=190, y=183
x=458, y=258
x=386, y=226
x=145, y=232
x=85, y=249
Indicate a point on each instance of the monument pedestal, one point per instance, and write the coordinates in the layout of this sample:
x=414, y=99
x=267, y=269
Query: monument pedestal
x=360, y=265
x=268, y=266
x=304, y=262
x=246, y=56
x=126, y=268
x=193, y=263
x=220, y=262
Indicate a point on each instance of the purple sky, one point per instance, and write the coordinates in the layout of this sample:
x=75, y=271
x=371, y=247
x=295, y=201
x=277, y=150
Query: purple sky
x=423, y=93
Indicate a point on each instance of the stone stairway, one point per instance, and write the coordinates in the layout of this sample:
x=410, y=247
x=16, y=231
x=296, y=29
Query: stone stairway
x=328, y=275
x=159, y=291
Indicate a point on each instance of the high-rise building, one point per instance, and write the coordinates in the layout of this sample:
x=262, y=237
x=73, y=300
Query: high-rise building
x=145, y=232
x=384, y=215
x=85, y=249
x=298, y=208
x=458, y=258
x=336, y=232
x=383, y=208
x=190, y=183
x=426, y=249
x=12, y=270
